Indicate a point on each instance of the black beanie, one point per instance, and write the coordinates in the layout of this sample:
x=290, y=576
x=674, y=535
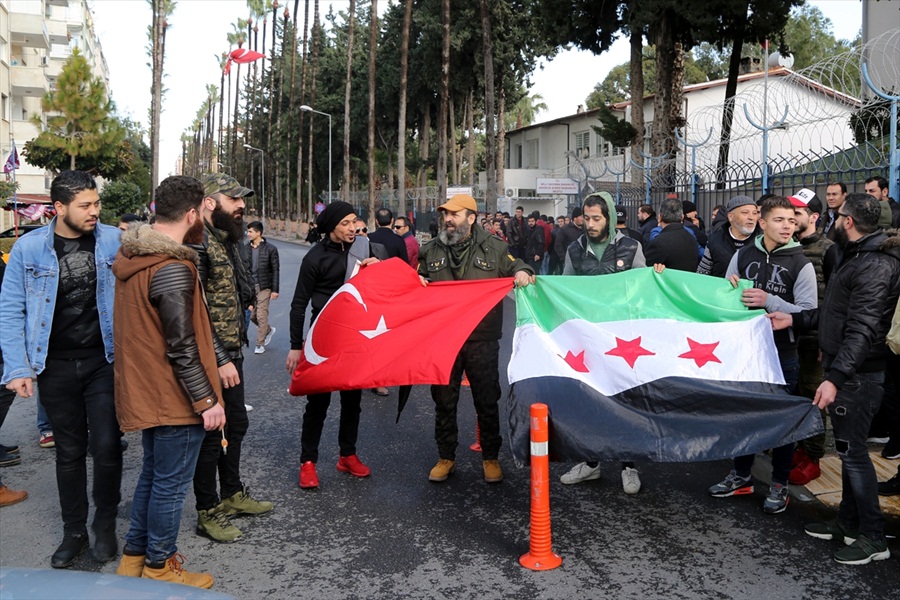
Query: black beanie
x=576, y=212
x=329, y=218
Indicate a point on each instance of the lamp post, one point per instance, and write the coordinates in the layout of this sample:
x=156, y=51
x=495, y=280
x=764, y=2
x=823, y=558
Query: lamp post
x=307, y=108
x=262, y=160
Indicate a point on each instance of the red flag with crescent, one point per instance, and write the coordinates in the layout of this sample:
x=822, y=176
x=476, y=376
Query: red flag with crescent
x=382, y=329
x=241, y=55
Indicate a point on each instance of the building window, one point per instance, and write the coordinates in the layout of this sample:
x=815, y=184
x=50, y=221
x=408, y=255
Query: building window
x=518, y=156
x=583, y=144
x=531, y=154
x=606, y=149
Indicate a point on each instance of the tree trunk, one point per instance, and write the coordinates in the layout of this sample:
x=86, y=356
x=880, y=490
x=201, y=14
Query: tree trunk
x=345, y=184
x=234, y=125
x=401, y=130
x=451, y=142
x=637, y=98
x=501, y=154
x=424, y=151
x=443, y=100
x=158, y=42
x=291, y=108
x=312, y=100
x=280, y=143
x=490, y=160
x=373, y=41
x=222, y=117
x=663, y=105
x=470, y=143
x=734, y=69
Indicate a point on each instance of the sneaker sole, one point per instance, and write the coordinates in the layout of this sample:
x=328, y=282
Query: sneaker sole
x=828, y=536
x=891, y=456
x=204, y=533
x=738, y=492
x=864, y=561
x=571, y=482
x=778, y=510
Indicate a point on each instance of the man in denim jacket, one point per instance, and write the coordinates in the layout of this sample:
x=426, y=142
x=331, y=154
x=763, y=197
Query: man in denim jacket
x=56, y=329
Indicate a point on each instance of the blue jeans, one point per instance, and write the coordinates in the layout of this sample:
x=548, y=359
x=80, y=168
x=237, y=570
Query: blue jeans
x=782, y=455
x=78, y=396
x=43, y=421
x=851, y=416
x=170, y=457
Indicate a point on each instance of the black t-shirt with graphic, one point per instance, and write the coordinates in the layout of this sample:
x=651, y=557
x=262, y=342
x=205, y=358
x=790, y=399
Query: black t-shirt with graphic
x=76, y=324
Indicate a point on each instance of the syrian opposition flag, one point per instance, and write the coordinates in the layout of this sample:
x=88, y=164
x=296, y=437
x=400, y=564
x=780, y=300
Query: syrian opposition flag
x=645, y=366
x=382, y=329
x=242, y=56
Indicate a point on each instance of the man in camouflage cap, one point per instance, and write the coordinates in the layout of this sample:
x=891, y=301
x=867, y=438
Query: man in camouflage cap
x=228, y=293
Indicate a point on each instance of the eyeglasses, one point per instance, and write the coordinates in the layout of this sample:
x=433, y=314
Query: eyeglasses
x=399, y=226
x=842, y=215
x=362, y=230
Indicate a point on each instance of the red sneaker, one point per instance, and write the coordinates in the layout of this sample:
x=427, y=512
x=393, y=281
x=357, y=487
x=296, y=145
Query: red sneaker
x=308, y=476
x=800, y=456
x=351, y=464
x=805, y=472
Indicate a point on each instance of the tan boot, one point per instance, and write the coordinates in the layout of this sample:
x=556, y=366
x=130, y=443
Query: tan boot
x=441, y=470
x=492, y=471
x=131, y=566
x=8, y=496
x=173, y=572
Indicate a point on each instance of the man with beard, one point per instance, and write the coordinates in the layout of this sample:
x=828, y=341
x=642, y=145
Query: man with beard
x=568, y=234
x=56, y=328
x=852, y=324
x=601, y=250
x=534, y=245
x=167, y=383
x=464, y=252
x=226, y=283
x=725, y=241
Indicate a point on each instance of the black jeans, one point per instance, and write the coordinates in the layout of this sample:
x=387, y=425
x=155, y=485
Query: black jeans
x=480, y=362
x=212, y=461
x=851, y=416
x=314, y=421
x=79, y=397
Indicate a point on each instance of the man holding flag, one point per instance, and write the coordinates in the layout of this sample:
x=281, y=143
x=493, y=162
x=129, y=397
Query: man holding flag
x=462, y=251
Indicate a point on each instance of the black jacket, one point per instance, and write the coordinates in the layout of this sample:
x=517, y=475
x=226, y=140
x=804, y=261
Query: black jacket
x=268, y=271
x=674, y=247
x=394, y=244
x=720, y=247
x=859, y=303
x=517, y=233
x=534, y=244
x=564, y=238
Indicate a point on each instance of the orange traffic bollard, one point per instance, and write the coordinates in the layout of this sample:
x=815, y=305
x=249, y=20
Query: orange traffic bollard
x=540, y=556
x=476, y=447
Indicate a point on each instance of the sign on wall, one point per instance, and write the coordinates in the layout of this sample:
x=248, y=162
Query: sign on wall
x=556, y=186
x=460, y=189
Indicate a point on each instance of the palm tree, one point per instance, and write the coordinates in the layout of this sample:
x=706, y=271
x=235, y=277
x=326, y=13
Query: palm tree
x=444, y=96
x=312, y=99
x=401, y=132
x=223, y=60
x=373, y=40
x=162, y=10
x=345, y=184
x=299, y=198
x=238, y=37
x=490, y=194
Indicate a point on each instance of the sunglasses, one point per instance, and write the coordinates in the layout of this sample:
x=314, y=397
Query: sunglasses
x=362, y=230
x=399, y=226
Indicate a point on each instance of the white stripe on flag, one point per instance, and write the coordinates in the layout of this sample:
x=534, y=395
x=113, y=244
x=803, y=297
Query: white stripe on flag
x=746, y=350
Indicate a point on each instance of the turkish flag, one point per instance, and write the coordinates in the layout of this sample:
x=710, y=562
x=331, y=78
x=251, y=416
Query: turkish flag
x=241, y=55
x=382, y=329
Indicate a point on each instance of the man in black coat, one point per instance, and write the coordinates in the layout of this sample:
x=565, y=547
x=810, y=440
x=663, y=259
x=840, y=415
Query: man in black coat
x=675, y=247
x=385, y=236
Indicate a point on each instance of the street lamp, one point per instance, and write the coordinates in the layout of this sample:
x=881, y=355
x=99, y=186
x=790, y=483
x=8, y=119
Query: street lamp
x=307, y=108
x=262, y=160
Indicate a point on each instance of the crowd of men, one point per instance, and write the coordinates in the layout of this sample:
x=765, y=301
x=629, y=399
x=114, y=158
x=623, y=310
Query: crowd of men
x=190, y=281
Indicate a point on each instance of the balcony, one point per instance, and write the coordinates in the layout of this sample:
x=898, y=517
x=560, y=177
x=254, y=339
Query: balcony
x=63, y=3
x=54, y=67
x=28, y=30
x=57, y=32
x=28, y=81
x=25, y=130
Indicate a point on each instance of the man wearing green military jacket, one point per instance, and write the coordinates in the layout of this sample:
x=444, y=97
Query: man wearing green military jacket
x=462, y=251
x=228, y=292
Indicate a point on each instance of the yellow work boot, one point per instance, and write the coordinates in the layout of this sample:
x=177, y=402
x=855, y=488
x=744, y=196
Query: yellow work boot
x=131, y=566
x=173, y=572
x=492, y=471
x=441, y=470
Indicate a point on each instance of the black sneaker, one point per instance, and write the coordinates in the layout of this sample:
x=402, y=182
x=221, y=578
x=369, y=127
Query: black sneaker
x=9, y=449
x=8, y=460
x=862, y=552
x=890, y=451
x=891, y=487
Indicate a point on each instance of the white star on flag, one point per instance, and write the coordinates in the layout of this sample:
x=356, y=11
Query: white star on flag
x=379, y=329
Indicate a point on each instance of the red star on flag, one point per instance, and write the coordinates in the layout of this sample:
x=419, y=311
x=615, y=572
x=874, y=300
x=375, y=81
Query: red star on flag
x=576, y=361
x=701, y=353
x=630, y=350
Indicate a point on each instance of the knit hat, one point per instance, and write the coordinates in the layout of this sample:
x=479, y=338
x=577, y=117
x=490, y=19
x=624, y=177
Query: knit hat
x=688, y=207
x=333, y=214
x=620, y=213
x=739, y=201
x=576, y=212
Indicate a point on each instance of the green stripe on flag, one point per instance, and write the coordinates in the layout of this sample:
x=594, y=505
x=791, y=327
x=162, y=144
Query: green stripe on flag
x=635, y=294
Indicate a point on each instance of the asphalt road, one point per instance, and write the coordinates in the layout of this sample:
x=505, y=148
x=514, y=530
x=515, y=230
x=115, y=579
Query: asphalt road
x=396, y=535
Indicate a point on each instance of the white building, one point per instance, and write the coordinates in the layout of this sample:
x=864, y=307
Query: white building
x=36, y=39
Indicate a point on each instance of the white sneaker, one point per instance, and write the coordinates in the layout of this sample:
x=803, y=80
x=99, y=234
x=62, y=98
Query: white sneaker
x=259, y=350
x=248, y=407
x=269, y=336
x=580, y=472
x=631, y=480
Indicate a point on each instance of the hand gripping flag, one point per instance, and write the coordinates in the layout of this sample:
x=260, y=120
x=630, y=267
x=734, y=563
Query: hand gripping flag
x=382, y=328
x=646, y=366
x=241, y=55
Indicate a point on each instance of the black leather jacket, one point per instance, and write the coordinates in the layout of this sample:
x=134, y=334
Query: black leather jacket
x=268, y=271
x=859, y=303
